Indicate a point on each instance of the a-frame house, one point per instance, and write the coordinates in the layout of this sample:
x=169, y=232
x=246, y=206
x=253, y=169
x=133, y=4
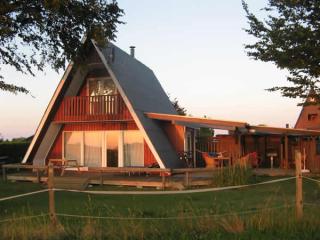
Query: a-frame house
x=97, y=116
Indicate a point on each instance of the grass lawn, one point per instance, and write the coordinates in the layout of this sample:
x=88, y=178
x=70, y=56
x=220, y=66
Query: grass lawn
x=278, y=223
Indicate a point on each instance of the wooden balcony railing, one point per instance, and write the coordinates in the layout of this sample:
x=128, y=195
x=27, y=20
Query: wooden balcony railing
x=93, y=108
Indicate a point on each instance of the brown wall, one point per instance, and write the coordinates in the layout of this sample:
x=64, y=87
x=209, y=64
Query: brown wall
x=176, y=134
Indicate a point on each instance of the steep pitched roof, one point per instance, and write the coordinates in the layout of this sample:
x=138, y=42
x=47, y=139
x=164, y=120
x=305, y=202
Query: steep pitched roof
x=141, y=92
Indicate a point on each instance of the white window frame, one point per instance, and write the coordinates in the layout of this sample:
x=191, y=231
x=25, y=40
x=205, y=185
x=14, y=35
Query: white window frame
x=81, y=146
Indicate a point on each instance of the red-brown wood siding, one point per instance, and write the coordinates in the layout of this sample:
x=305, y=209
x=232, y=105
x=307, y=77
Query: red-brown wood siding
x=175, y=134
x=149, y=158
x=84, y=90
x=56, y=150
x=101, y=126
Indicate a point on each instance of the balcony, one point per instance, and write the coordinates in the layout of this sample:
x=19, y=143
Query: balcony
x=93, y=108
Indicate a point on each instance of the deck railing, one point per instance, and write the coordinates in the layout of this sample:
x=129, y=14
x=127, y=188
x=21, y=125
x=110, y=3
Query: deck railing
x=92, y=108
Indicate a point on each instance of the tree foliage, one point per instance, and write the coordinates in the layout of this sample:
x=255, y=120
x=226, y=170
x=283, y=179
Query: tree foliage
x=180, y=110
x=37, y=33
x=289, y=37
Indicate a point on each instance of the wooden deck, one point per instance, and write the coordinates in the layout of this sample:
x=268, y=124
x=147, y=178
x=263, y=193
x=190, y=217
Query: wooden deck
x=176, y=179
x=75, y=180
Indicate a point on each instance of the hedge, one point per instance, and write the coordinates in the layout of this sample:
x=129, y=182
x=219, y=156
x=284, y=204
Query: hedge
x=14, y=150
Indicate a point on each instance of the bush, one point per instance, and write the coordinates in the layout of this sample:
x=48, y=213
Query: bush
x=232, y=176
x=14, y=150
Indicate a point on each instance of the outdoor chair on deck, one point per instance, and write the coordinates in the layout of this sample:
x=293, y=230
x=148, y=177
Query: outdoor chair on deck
x=215, y=160
x=251, y=159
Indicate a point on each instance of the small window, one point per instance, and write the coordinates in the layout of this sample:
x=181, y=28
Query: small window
x=312, y=116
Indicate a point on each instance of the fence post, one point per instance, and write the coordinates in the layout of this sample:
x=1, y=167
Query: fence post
x=163, y=180
x=187, y=179
x=299, y=200
x=52, y=211
x=101, y=178
x=38, y=176
x=4, y=174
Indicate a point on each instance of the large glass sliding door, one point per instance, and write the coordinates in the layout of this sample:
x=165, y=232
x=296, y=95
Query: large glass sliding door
x=93, y=149
x=105, y=148
x=72, y=146
x=133, y=150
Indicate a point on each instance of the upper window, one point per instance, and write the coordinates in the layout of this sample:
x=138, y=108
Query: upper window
x=101, y=87
x=312, y=116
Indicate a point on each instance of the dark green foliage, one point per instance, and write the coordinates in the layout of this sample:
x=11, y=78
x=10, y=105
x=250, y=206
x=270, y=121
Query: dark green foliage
x=34, y=34
x=290, y=38
x=14, y=149
x=206, y=132
x=180, y=110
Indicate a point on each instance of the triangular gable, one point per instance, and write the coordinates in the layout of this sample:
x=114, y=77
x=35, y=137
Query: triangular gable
x=133, y=80
x=309, y=117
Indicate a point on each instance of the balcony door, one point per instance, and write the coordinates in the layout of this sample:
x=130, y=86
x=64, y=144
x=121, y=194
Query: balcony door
x=102, y=93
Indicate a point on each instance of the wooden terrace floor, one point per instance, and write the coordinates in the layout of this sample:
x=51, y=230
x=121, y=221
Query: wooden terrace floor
x=79, y=180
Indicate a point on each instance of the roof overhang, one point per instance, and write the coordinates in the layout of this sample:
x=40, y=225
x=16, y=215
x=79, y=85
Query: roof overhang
x=198, y=122
x=283, y=131
x=241, y=127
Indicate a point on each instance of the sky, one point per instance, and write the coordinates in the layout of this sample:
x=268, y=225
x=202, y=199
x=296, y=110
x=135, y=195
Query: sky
x=196, y=50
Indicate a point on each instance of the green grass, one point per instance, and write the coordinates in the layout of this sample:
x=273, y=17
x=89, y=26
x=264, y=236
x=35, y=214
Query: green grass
x=275, y=224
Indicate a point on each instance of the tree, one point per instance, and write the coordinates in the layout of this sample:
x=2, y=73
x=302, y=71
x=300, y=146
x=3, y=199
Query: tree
x=290, y=38
x=37, y=33
x=180, y=110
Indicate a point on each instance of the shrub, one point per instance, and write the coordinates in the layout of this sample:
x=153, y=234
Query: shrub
x=233, y=175
x=14, y=150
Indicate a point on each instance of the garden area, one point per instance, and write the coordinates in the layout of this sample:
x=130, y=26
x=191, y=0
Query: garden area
x=259, y=212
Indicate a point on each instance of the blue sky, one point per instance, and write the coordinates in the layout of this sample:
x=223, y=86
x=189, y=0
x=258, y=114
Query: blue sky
x=195, y=49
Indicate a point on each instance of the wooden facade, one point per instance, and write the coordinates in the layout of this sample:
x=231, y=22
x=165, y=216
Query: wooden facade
x=94, y=113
